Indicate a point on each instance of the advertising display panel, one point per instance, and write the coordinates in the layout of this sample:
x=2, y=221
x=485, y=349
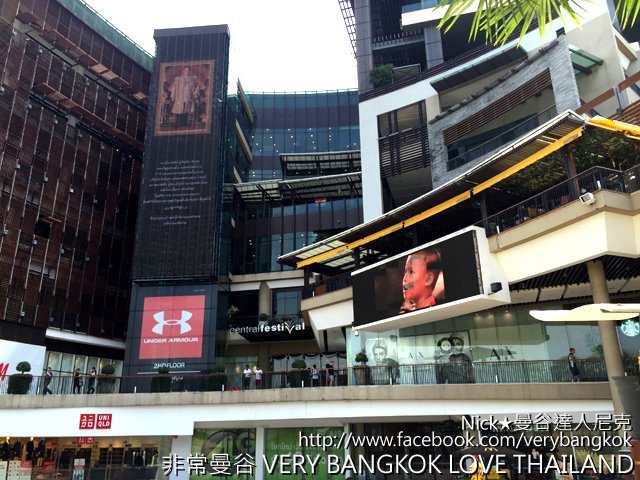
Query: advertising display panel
x=172, y=327
x=230, y=453
x=181, y=187
x=441, y=279
x=12, y=353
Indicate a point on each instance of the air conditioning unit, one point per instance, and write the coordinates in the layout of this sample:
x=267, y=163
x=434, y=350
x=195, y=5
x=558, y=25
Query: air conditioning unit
x=587, y=198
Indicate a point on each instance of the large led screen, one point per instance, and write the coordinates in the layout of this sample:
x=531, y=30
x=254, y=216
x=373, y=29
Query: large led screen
x=428, y=276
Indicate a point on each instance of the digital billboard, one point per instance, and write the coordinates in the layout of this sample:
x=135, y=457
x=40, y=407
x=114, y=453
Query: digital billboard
x=444, y=276
x=172, y=326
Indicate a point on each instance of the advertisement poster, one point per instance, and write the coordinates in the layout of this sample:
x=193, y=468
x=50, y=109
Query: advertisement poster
x=78, y=469
x=12, y=353
x=172, y=327
x=282, y=445
x=19, y=470
x=229, y=453
x=3, y=470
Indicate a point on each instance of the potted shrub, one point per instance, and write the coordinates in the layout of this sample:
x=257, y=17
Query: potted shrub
x=381, y=75
x=162, y=381
x=264, y=318
x=361, y=370
x=218, y=378
x=106, y=381
x=299, y=374
x=20, y=383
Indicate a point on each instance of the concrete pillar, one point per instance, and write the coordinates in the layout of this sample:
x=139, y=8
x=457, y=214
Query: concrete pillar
x=259, y=472
x=264, y=299
x=164, y=450
x=181, y=449
x=563, y=80
x=433, y=46
x=608, y=334
x=364, y=51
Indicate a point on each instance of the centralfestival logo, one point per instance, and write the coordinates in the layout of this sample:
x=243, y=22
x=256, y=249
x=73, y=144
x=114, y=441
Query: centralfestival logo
x=172, y=327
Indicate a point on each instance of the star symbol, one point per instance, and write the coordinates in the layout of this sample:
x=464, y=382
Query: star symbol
x=505, y=423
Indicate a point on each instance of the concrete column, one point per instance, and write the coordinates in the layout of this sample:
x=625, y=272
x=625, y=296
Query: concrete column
x=563, y=80
x=181, y=448
x=433, y=46
x=364, y=51
x=264, y=299
x=608, y=334
x=164, y=450
x=259, y=472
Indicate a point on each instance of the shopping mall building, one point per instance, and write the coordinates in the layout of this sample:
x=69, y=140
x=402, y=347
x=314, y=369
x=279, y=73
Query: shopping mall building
x=276, y=233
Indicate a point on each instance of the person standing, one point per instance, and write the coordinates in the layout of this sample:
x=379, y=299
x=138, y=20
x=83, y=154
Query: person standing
x=315, y=376
x=77, y=381
x=258, y=377
x=246, y=378
x=331, y=373
x=573, y=365
x=91, y=383
x=48, y=376
x=183, y=94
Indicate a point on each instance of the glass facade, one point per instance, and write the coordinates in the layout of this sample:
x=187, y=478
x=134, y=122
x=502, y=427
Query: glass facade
x=490, y=337
x=303, y=122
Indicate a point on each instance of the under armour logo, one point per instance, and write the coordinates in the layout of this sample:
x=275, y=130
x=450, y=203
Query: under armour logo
x=161, y=322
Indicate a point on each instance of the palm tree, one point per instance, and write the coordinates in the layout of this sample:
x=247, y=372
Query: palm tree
x=498, y=19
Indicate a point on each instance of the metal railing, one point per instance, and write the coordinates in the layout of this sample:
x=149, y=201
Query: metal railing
x=594, y=179
x=327, y=285
x=491, y=145
x=437, y=373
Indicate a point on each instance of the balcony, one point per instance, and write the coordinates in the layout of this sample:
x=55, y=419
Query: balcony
x=425, y=375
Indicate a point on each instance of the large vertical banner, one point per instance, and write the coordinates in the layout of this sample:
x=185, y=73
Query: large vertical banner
x=181, y=194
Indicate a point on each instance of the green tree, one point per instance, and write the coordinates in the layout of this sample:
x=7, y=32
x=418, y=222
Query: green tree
x=381, y=75
x=498, y=19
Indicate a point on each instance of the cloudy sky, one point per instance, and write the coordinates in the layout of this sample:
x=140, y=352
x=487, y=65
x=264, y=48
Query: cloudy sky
x=276, y=45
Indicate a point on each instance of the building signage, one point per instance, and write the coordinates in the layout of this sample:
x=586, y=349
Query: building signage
x=282, y=329
x=100, y=421
x=12, y=353
x=85, y=440
x=172, y=327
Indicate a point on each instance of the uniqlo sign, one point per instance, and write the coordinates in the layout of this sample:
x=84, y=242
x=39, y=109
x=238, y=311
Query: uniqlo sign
x=103, y=421
x=89, y=421
x=172, y=327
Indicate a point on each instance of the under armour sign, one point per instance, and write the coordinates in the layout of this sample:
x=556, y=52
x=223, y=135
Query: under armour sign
x=184, y=326
x=172, y=327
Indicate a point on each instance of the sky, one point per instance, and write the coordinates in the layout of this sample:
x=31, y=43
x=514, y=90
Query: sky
x=276, y=45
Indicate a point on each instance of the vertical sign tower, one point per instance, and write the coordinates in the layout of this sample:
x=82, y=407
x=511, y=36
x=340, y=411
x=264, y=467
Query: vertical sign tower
x=172, y=319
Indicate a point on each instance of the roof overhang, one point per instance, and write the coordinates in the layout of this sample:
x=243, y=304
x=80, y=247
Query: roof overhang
x=526, y=150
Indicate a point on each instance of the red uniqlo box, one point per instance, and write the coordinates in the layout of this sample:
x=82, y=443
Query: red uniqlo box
x=103, y=421
x=172, y=327
x=87, y=421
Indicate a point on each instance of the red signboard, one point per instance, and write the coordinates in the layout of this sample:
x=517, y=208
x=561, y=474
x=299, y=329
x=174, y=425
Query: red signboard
x=172, y=327
x=85, y=440
x=103, y=421
x=87, y=421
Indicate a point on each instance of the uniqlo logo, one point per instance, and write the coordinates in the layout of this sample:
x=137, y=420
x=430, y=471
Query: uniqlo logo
x=172, y=327
x=87, y=421
x=103, y=421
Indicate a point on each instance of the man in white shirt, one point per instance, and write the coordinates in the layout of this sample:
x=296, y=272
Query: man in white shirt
x=246, y=378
